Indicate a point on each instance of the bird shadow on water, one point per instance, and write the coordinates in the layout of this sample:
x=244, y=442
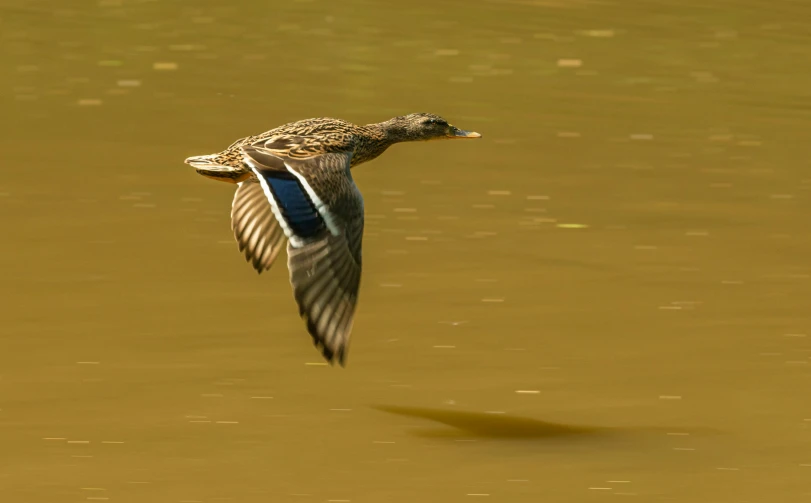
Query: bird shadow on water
x=498, y=426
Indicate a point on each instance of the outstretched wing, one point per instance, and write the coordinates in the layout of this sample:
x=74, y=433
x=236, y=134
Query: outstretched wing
x=255, y=228
x=320, y=210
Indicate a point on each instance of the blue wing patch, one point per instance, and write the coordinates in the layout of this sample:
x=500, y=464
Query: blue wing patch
x=295, y=204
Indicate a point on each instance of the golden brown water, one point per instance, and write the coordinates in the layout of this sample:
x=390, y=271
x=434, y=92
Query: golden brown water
x=607, y=295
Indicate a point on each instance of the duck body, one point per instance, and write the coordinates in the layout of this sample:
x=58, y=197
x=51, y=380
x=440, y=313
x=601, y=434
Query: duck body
x=300, y=139
x=294, y=184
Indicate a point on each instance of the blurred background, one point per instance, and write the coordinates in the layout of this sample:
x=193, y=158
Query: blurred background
x=606, y=295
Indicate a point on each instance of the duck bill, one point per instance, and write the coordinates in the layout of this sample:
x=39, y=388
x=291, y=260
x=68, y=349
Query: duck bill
x=458, y=133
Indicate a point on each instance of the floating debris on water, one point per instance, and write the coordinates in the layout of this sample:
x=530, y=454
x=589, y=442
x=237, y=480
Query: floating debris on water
x=572, y=226
x=164, y=66
x=597, y=33
x=570, y=63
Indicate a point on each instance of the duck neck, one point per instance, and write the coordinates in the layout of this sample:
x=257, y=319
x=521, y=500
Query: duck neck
x=376, y=138
x=393, y=130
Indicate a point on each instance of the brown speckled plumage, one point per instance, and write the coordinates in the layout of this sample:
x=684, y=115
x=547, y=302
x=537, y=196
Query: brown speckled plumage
x=294, y=183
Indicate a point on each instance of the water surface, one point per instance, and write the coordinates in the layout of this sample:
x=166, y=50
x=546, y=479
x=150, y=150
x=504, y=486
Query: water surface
x=606, y=295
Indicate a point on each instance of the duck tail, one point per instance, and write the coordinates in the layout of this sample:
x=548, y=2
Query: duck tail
x=208, y=166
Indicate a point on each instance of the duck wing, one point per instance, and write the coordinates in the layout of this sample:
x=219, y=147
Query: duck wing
x=255, y=228
x=320, y=209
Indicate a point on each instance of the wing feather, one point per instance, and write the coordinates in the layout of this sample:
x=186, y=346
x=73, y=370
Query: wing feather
x=324, y=260
x=255, y=229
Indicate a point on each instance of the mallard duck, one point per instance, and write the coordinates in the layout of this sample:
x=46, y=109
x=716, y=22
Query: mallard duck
x=294, y=182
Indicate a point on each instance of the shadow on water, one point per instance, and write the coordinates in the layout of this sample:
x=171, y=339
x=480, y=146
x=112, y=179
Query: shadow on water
x=489, y=425
x=507, y=427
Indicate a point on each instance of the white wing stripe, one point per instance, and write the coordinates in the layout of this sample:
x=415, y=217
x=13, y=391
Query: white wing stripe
x=295, y=241
x=322, y=208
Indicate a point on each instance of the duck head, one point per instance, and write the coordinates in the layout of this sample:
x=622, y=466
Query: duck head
x=424, y=127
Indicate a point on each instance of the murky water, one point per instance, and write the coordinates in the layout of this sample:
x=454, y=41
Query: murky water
x=607, y=295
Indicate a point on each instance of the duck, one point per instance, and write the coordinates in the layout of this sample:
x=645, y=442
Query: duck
x=295, y=186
